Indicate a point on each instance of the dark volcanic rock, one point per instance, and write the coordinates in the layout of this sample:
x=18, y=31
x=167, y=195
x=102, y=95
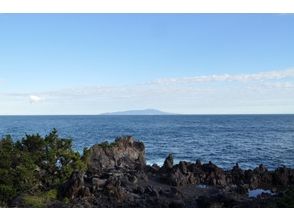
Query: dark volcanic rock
x=74, y=186
x=117, y=176
x=124, y=153
x=169, y=162
x=236, y=176
x=283, y=176
x=214, y=175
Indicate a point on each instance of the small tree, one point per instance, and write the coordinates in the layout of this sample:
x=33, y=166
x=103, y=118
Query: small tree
x=35, y=163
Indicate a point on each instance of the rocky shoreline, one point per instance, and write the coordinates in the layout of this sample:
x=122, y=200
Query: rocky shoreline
x=117, y=176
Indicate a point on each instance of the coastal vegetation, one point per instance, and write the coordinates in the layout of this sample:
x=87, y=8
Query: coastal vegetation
x=35, y=164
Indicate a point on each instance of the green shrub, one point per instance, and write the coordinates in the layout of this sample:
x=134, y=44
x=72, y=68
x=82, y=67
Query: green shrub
x=6, y=193
x=35, y=164
x=40, y=200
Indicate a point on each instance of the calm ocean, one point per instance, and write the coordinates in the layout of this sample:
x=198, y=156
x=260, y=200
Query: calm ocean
x=222, y=139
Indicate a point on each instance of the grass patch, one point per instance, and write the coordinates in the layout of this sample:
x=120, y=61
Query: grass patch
x=40, y=200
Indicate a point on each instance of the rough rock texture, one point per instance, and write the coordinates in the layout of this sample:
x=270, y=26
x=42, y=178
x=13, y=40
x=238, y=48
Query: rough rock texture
x=168, y=163
x=125, y=152
x=117, y=176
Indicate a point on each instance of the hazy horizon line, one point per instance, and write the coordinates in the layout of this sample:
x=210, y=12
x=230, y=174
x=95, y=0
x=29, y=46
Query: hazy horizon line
x=170, y=114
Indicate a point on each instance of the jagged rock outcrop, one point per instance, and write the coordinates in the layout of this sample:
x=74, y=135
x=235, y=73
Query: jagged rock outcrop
x=125, y=153
x=168, y=163
x=74, y=187
x=209, y=174
x=283, y=176
x=117, y=176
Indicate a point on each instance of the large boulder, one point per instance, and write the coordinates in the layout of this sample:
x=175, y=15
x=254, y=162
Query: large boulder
x=124, y=153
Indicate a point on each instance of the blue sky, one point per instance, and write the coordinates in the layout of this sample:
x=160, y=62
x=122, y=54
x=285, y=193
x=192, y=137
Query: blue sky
x=182, y=63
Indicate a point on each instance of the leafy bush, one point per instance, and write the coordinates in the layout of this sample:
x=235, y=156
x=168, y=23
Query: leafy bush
x=6, y=192
x=39, y=200
x=35, y=164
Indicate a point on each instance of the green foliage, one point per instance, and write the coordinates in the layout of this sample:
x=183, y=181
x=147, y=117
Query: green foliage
x=35, y=164
x=40, y=200
x=86, y=155
x=6, y=192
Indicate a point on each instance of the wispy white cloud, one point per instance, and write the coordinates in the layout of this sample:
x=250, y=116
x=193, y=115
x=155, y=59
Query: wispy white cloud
x=272, y=75
x=195, y=84
x=35, y=99
x=170, y=86
x=222, y=93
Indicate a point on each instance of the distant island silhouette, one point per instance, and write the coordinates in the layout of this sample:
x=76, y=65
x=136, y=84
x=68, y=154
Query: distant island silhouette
x=139, y=112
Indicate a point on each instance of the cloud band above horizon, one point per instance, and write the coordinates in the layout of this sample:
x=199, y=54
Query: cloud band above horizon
x=268, y=92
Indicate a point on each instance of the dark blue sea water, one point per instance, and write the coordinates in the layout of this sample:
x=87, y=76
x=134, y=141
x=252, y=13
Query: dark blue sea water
x=223, y=139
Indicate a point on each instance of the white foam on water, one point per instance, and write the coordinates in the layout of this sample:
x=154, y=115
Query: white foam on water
x=159, y=162
x=202, y=186
x=254, y=193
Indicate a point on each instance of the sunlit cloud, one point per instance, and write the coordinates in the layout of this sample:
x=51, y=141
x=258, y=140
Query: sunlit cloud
x=35, y=99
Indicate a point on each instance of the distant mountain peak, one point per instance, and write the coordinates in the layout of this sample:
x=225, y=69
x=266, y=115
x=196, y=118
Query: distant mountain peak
x=139, y=112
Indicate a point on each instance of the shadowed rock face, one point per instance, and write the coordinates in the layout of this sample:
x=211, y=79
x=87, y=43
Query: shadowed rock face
x=169, y=162
x=118, y=176
x=74, y=186
x=125, y=152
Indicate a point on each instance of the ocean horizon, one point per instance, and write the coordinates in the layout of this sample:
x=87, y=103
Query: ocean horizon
x=247, y=139
x=150, y=110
